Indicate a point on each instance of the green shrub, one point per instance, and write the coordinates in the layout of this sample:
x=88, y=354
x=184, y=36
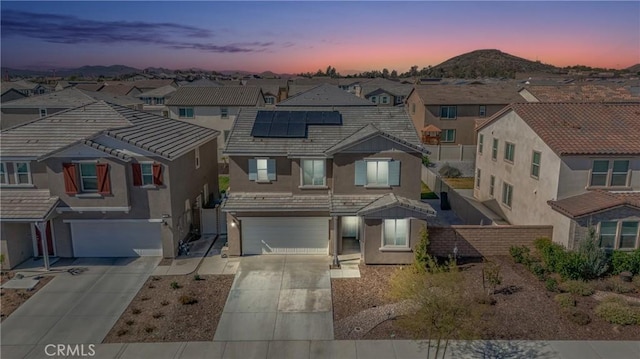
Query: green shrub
x=616, y=285
x=197, y=277
x=541, y=243
x=571, y=266
x=578, y=287
x=553, y=255
x=595, y=262
x=519, y=253
x=449, y=171
x=625, y=261
x=425, y=161
x=618, y=311
x=538, y=270
x=175, y=285
x=566, y=300
x=551, y=284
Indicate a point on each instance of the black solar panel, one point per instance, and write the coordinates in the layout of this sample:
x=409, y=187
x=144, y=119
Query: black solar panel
x=281, y=116
x=291, y=124
x=278, y=129
x=332, y=118
x=261, y=129
x=297, y=129
x=264, y=116
x=298, y=117
x=314, y=118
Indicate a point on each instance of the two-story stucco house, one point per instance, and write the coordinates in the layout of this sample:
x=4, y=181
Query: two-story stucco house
x=213, y=107
x=303, y=178
x=102, y=180
x=454, y=109
x=570, y=165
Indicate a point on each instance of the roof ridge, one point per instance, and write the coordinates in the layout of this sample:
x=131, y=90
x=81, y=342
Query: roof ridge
x=48, y=116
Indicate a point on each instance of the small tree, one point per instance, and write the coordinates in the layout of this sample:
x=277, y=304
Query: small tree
x=491, y=277
x=595, y=258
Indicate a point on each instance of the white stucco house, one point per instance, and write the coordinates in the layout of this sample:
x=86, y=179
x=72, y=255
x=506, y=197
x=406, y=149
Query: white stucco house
x=571, y=165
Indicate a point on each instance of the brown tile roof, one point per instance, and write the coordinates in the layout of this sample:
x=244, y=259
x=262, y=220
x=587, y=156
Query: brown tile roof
x=595, y=201
x=581, y=128
x=583, y=93
x=26, y=205
x=121, y=90
x=90, y=87
x=216, y=96
x=489, y=94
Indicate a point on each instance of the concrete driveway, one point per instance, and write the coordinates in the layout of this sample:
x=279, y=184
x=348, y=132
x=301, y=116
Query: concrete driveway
x=80, y=308
x=279, y=298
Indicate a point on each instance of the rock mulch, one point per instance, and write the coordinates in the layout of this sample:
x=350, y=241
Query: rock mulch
x=357, y=326
x=600, y=296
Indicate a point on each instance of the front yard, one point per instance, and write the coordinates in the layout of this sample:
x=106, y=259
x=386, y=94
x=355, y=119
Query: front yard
x=12, y=299
x=524, y=309
x=173, y=308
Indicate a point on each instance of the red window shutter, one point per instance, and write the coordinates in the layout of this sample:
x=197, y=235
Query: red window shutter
x=70, y=178
x=137, y=174
x=157, y=174
x=104, y=184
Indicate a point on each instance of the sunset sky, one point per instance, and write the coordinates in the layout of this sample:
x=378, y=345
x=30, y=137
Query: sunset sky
x=305, y=36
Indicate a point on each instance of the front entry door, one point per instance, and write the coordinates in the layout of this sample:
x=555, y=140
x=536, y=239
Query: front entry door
x=49, y=240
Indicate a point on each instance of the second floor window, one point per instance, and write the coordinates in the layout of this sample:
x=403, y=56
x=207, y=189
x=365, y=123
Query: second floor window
x=146, y=173
x=224, y=112
x=22, y=173
x=448, y=135
x=509, y=151
x=43, y=112
x=535, y=164
x=197, y=155
x=480, y=143
x=88, y=177
x=186, y=112
x=507, y=194
x=483, y=111
x=148, y=101
x=269, y=100
x=478, y=178
x=492, y=185
x=448, y=112
x=3, y=173
x=494, y=149
x=159, y=100
x=610, y=173
x=377, y=172
x=262, y=169
x=385, y=99
x=313, y=173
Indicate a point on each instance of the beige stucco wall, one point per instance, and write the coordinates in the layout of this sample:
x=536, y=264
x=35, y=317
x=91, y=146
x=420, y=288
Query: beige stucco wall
x=16, y=243
x=373, y=242
x=576, y=170
x=416, y=110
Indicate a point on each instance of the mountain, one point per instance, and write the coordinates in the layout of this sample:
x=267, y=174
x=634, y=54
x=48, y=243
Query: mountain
x=633, y=69
x=485, y=63
x=84, y=71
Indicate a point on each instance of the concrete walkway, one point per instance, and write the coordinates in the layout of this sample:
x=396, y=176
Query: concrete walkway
x=81, y=307
x=279, y=297
x=348, y=349
x=188, y=263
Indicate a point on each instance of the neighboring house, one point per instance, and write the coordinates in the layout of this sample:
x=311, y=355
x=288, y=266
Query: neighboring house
x=579, y=93
x=351, y=85
x=385, y=92
x=200, y=83
x=102, y=180
x=11, y=94
x=213, y=107
x=570, y=165
x=28, y=88
x=304, y=177
x=34, y=107
x=325, y=95
x=155, y=100
x=274, y=90
x=120, y=89
x=453, y=109
x=93, y=87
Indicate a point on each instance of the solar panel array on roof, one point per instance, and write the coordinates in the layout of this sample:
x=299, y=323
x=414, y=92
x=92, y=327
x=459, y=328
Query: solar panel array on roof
x=291, y=124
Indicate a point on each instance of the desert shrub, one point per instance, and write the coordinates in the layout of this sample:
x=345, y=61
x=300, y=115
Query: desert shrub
x=538, y=270
x=623, y=261
x=618, y=311
x=143, y=299
x=553, y=255
x=491, y=277
x=577, y=287
x=149, y=329
x=157, y=315
x=520, y=254
x=197, y=277
x=187, y=300
x=616, y=285
x=571, y=266
x=449, y=171
x=175, y=285
x=151, y=285
x=122, y=332
x=579, y=317
x=551, y=284
x=129, y=322
x=164, y=303
x=566, y=300
x=595, y=262
x=136, y=311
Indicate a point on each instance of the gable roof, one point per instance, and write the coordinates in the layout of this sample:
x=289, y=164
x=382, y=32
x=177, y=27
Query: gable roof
x=393, y=121
x=581, y=128
x=216, y=96
x=325, y=95
x=367, y=132
x=594, y=202
x=582, y=93
x=26, y=205
x=371, y=87
x=19, y=85
x=68, y=98
x=42, y=137
x=489, y=94
x=90, y=87
x=158, y=92
x=119, y=89
x=390, y=200
x=200, y=83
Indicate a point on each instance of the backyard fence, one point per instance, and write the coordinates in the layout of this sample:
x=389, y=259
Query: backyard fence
x=451, y=152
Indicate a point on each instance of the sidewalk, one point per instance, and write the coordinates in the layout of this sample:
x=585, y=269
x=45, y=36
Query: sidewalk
x=347, y=349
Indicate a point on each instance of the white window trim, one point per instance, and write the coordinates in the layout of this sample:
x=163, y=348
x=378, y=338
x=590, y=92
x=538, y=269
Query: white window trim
x=396, y=248
x=84, y=192
x=266, y=169
x=366, y=161
x=478, y=177
x=151, y=185
x=533, y=154
x=480, y=144
x=482, y=113
x=446, y=131
x=45, y=112
x=495, y=149
x=312, y=186
x=609, y=177
x=5, y=174
x=224, y=114
x=492, y=186
x=506, y=146
x=502, y=200
x=448, y=112
x=197, y=157
x=15, y=174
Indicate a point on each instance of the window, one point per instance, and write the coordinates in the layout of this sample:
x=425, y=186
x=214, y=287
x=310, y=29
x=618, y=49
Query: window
x=148, y=101
x=619, y=234
x=535, y=164
x=628, y=235
x=146, y=170
x=385, y=99
x=43, y=112
x=480, y=143
x=197, y=153
x=159, y=100
x=492, y=184
x=448, y=112
x=313, y=173
x=494, y=149
x=383, y=172
x=374, y=99
x=507, y=194
x=509, y=151
x=610, y=173
x=478, y=174
x=88, y=177
x=483, y=111
x=3, y=174
x=396, y=233
x=448, y=135
x=269, y=100
x=608, y=234
x=22, y=173
x=224, y=112
x=186, y=112
x=263, y=174
x=378, y=173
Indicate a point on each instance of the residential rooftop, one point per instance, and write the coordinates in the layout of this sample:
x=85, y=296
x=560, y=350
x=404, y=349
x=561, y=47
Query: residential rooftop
x=595, y=201
x=487, y=94
x=582, y=93
x=325, y=95
x=216, y=96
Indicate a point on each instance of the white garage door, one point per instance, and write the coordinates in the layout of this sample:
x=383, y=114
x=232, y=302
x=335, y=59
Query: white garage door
x=291, y=235
x=107, y=238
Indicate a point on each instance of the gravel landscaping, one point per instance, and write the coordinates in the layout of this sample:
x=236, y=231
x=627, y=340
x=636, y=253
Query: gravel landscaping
x=524, y=309
x=173, y=308
x=12, y=299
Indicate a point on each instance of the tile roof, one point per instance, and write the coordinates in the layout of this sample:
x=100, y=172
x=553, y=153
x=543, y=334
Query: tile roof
x=595, y=201
x=581, y=128
x=67, y=98
x=201, y=83
x=365, y=133
x=26, y=205
x=325, y=95
x=163, y=136
x=390, y=120
x=119, y=89
x=350, y=204
x=583, y=93
x=158, y=92
x=90, y=87
x=277, y=202
x=216, y=96
x=489, y=94
x=18, y=85
x=112, y=98
x=393, y=87
x=391, y=200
